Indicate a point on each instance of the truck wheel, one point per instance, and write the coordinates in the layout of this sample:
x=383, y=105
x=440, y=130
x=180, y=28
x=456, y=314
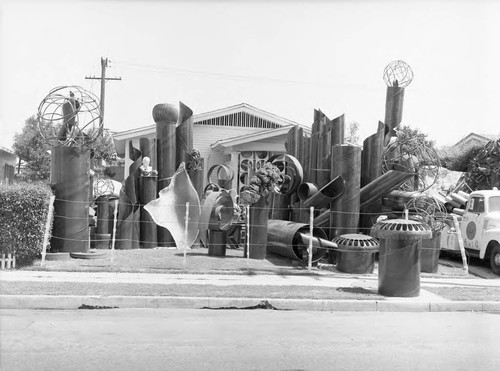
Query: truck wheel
x=495, y=259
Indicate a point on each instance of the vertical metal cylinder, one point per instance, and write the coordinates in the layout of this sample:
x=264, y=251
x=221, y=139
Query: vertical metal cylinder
x=165, y=117
x=399, y=256
x=217, y=241
x=257, y=234
x=70, y=182
x=344, y=217
x=184, y=135
x=393, y=111
x=337, y=131
x=148, y=149
x=102, y=215
x=148, y=235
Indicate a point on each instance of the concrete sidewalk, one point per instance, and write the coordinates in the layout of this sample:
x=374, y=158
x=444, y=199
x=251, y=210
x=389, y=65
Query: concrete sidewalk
x=426, y=301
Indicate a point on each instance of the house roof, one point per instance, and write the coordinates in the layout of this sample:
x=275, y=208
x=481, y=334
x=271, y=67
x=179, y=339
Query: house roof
x=481, y=137
x=254, y=137
x=283, y=123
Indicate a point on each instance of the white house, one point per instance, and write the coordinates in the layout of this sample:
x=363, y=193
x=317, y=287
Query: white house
x=238, y=136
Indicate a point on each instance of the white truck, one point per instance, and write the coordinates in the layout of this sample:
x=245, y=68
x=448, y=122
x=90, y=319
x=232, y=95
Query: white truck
x=479, y=228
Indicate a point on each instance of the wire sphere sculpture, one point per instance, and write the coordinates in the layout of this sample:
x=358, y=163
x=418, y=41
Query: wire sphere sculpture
x=398, y=73
x=70, y=116
x=413, y=157
x=428, y=210
x=103, y=187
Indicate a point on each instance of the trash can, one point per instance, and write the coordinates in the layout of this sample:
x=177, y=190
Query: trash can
x=399, y=256
x=356, y=253
x=429, y=258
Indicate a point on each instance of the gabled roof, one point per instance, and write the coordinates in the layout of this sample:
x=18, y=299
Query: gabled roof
x=254, y=137
x=479, y=137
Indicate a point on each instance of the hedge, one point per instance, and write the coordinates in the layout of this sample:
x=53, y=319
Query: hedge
x=23, y=216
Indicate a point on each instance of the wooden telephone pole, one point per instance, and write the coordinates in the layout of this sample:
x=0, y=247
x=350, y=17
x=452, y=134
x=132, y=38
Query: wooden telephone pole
x=103, y=78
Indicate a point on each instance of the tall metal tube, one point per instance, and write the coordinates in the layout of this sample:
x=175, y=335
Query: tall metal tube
x=344, y=217
x=70, y=182
x=148, y=227
x=393, y=111
x=165, y=116
x=184, y=135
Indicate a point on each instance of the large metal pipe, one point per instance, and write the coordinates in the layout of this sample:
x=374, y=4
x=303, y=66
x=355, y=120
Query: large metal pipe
x=149, y=229
x=393, y=111
x=286, y=238
x=70, y=182
x=337, y=130
x=371, y=169
x=329, y=192
x=306, y=190
x=346, y=162
x=381, y=186
x=184, y=135
x=128, y=228
x=165, y=116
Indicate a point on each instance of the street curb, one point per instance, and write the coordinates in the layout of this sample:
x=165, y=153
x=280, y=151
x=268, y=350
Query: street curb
x=156, y=302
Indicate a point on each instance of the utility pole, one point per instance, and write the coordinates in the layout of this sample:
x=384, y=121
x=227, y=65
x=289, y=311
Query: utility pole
x=103, y=78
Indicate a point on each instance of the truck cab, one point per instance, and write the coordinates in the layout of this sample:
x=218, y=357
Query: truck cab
x=480, y=227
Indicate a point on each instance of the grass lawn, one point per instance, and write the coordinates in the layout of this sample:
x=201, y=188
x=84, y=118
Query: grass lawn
x=249, y=291
x=467, y=293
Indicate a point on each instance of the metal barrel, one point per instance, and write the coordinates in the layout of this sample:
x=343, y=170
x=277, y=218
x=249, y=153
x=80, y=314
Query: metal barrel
x=286, y=238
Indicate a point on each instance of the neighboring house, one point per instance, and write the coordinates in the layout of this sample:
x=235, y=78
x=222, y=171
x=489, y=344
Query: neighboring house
x=475, y=140
x=8, y=162
x=236, y=136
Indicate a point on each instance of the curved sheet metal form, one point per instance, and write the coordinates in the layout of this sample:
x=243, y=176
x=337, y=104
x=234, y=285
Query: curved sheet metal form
x=217, y=212
x=169, y=210
x=287, y=239
x=71, y=183
x=381, y=186
x=128, y=229
x=329, y=192
x=165, y=116
x=337, y=130
x=292, y=172
x=393, y=111
x=184, y=135
x=306, y=190
x=371, y=157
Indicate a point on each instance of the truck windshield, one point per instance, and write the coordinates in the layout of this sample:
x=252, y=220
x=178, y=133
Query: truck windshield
x=494, y=204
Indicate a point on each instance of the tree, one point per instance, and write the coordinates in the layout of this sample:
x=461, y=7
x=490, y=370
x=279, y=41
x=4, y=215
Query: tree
x=407, y=134
x=352, y=135
x=32, y=149
x=35, y=152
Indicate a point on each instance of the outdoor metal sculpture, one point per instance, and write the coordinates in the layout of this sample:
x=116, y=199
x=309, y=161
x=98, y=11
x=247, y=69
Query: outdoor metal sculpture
x=69, y=120
x=128, y=227
x=397, y=76
x=170, y=209
x=165, y=116
x=291, y=239
x=217, y=214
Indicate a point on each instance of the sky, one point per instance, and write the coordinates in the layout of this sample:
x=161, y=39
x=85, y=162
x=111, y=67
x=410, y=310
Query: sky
x=285, y=57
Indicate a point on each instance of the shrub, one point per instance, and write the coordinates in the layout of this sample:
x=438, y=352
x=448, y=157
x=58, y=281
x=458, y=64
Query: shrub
x=23, y=215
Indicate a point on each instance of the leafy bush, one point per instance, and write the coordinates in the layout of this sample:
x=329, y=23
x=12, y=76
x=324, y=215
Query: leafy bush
x=23, y=215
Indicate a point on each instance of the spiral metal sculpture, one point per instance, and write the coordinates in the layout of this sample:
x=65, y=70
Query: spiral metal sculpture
x=70, y=116
x=398, y=73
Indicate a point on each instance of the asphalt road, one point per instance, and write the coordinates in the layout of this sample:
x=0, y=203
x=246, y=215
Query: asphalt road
x=180, y=339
